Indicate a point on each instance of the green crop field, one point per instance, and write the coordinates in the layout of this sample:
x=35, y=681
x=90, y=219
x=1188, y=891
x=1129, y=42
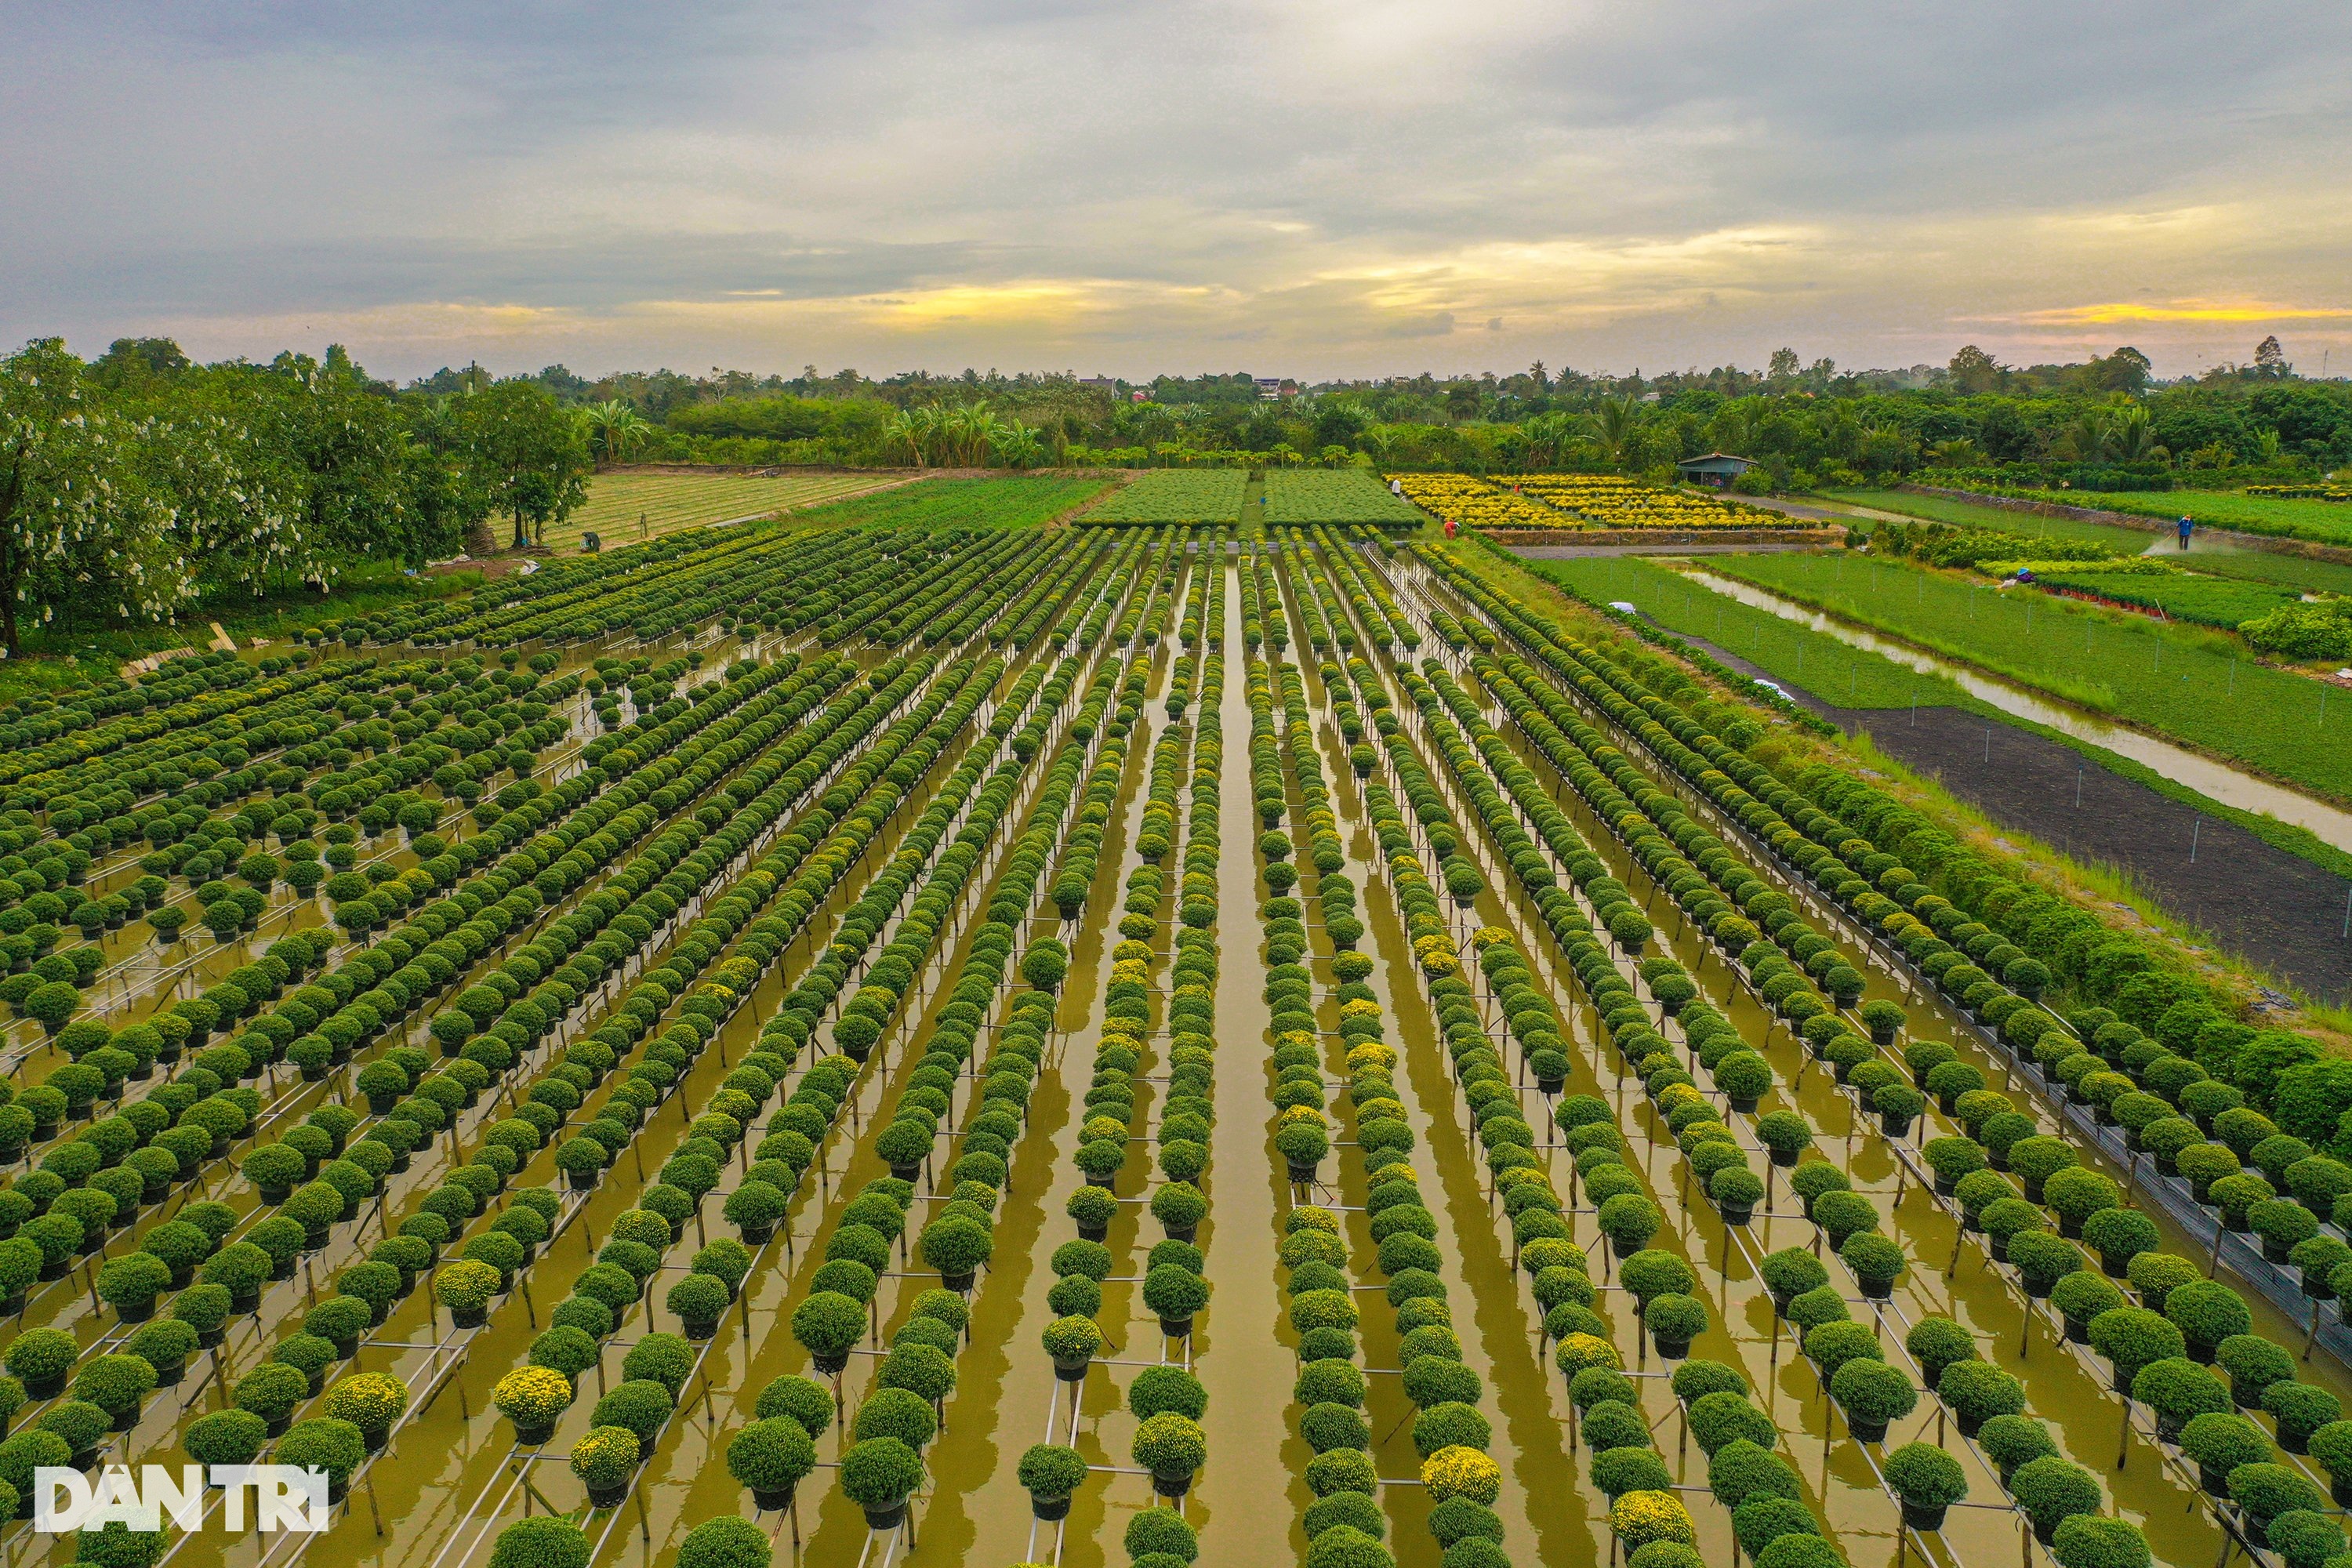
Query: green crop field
x=1014, y=500
x=1346, y=495
x=1175, y=494
x=2190, y=685
x=2328, y=522
x=2252, y=566
x=2207, y=600
x=1968, y=514
x=1821, y=664
x=625, y=508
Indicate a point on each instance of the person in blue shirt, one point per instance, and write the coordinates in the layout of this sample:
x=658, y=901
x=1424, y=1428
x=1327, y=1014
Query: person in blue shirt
x=2186, y=524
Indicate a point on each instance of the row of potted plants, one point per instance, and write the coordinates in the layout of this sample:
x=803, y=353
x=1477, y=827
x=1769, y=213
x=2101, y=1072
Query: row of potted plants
x=793, y=880
x=1048, y=596
x=1450, y=1432
x=1166, y=1400
x=2103, y=1060
x=1086, y=620
x=1328, y=1395
x=1922, y=1477
x=1368, y=592
x=2087, y=1206
x=470, y=1285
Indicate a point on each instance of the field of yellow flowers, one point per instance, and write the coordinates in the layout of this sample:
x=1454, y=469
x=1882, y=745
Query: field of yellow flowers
x=1607, y=501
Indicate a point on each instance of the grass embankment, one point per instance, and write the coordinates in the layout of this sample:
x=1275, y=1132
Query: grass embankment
x=2251, y=566
x=2194, y=686
x=624, y=507
x=1821, y=664
x=1855, y=677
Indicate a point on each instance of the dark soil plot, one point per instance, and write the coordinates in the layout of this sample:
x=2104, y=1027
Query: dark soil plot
x=2273, y=909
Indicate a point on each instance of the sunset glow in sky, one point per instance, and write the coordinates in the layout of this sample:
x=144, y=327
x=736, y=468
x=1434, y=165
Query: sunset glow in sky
x=1296, y=187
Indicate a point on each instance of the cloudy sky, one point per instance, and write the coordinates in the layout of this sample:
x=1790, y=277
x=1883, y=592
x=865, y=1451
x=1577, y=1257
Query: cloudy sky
x=1295, y=187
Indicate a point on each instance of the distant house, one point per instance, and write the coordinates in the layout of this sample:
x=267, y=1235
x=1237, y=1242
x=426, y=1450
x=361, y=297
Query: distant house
x=1100, y=384
x=1715, y=469
x=1273, y=387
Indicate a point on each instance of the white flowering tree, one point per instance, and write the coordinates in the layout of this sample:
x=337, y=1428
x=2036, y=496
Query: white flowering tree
x=61, y=469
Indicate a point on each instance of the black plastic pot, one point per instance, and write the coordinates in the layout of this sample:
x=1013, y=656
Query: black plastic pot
x=1923, y=1516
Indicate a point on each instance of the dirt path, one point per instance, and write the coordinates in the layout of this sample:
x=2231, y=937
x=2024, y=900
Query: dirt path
x=2273, y=909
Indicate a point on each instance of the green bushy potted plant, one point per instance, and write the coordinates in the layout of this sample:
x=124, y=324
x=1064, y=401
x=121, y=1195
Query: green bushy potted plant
x=771, y=1457
x=881, y=1474
x=828, y=1325
x=2050, y=1491
x=1876, y=1263
x=1790, y=1273
x=604, y=1460
x=540, y=1542
x=2219, y=1444
x=225, y=1437
x=726, y=1542
x=699, y=1300
x=1072, y=1343
x=1674, y=1320
x=755, y=1208
x=1052, y=1475
x=1929, y=1482
x=1977, y=1392
x=2179, y=1391
x=1172, y=1447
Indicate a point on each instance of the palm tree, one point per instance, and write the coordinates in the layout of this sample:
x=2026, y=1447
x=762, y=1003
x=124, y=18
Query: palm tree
x=2132, y=437
x=1547, y=433
x=614, y=429
x=2092, y=431
x=1014, y=444
x=1611, y=422
x=899, y=434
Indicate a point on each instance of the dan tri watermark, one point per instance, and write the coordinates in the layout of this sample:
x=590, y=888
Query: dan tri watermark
x=282, y=1496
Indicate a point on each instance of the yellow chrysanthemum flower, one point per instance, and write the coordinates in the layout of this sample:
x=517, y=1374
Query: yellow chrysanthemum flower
x=1578, y=1351
x=1640, y=1518
x=1460, y=1471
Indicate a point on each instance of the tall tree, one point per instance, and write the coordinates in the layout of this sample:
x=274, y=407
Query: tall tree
x=526, y=454
x=57, y=454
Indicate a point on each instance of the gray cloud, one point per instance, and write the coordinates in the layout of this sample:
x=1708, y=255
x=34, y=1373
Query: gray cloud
x=1027, y=182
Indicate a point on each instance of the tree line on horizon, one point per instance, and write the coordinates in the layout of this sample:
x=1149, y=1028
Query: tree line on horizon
x=140, y=485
